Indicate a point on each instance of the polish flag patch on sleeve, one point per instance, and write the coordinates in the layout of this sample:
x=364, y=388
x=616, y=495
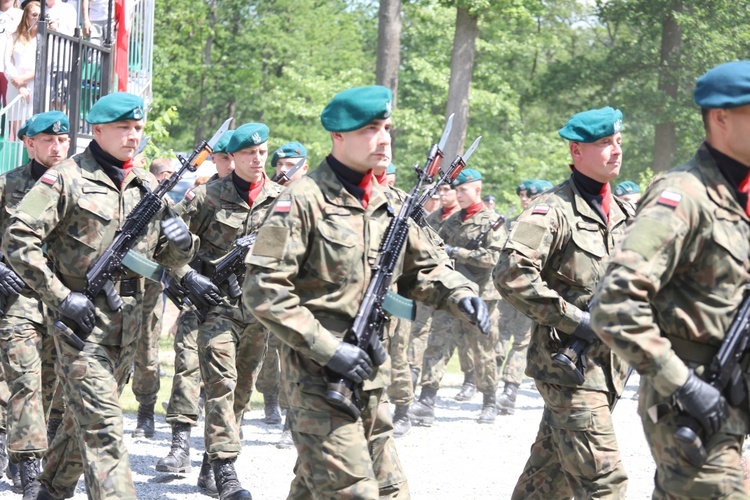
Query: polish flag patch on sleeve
x=190, y=195
x=49, y=178
x=540, y=209
x=669, y=199
x=282, y=206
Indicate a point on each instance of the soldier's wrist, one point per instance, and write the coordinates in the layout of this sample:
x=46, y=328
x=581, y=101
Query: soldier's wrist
x=669, y=375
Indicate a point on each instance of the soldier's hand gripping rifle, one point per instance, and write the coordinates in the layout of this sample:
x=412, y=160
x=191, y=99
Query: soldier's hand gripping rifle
x=226, y=272
x=725, y=374
x=108, y=267
x=283, y=178
x=368, y=324
x=477, y=240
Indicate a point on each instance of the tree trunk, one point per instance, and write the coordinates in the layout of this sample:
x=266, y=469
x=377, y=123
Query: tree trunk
x=665, y=137
x=462, y=63
x=200, y=127
x=389, y=45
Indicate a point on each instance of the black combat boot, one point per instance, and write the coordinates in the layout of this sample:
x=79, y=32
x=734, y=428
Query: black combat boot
x=271, y=407
x=15, y=477
x=28, y=469
x=285, y=441
x=226, y=481
x=506, y=401
x=52, y=425
x=468, y=389
x=145, y=427
x=3, y=451
x=44, y=493
x=489, y=410
x=414, y=377
x=206, y=481
x=401, y=422
x=423, y=411
x=178, y=459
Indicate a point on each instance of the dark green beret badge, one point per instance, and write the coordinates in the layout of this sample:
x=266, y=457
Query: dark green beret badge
x=116, y=107
x=247, y=136
x=51, y=122
x=592, y=125
x=354, y=108
x=725, y=86
x=289, y=150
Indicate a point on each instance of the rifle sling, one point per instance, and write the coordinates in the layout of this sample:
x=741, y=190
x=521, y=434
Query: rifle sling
x=399, y=306
x=143, y=266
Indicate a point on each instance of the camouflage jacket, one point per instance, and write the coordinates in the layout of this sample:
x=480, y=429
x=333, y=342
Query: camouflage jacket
x=477, y=264
x=75, y=210
x=311, y=264
x=555, y=256
x=217, y=214
x=13, y=187
x=435, y=219
x=679, y=276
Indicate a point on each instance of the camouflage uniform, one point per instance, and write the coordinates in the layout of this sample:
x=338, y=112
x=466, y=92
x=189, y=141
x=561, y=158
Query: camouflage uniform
x=306, y=276
x=515, y=334
x=556, y=253
x=186, y=383
x=475, y=265
x=231, y=340
x=27, y=349
x=268, y=382
x=75, y=210
x=146, y=380
x=670, y=293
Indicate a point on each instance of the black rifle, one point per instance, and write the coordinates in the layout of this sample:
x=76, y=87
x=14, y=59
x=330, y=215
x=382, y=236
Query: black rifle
x=226, y=272
x=282, y=178
x=108, y=267
x=477, y=240
x=725, y=374
x=343, y=393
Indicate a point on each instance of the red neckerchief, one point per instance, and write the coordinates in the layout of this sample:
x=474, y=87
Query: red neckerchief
x=255, y=189
x=366, y=184
x=444, y=214
x=473, y=210
x=745, y=188
x=606, y=193
x=382, y=179
x=127, y=166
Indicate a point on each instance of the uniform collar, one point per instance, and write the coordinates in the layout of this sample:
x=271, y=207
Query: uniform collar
x=336, y=194
x=616, y=214
x=90, y=169
x=718, y=187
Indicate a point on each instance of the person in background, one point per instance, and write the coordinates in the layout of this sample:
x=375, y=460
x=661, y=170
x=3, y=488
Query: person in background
x=628, y=191
x=489, y=202
x=10, y=16
x=20, y=64
x=286, y=158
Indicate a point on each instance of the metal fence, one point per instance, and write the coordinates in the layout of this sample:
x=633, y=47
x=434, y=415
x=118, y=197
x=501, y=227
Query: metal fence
x=140, y=50
x=12, y=117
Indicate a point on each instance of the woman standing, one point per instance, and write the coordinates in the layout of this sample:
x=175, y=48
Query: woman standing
x=20, y=62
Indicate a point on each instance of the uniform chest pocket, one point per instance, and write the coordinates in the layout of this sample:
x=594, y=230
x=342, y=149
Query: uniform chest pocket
x=581, y=263
x=14, y=199
x=225, y=228
x=92, y=218
x=336, y=252
x=723, y=261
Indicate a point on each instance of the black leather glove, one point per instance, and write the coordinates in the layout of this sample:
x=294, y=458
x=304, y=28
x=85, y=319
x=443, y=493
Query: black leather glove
x=351, y=362
x=202, y=287
x=177, y=233
x=703, y=402
x=476, y=310
x=584, y=330
x=78, y=308
x=10, y=283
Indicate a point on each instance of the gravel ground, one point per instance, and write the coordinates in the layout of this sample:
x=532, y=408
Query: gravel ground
x=455, y=458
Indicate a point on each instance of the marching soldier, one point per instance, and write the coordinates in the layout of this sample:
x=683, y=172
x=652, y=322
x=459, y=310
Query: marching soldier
x=476, y=265
x=230, y=341
x=673, y=288
x=548, y=269
x=224, y=161
x=628, y=191
x=74, y=210
x=297, y=286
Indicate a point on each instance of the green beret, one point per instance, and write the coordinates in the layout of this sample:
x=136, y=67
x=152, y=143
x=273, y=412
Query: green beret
x=51, y=122
x=725, y=86
x=544, y=185
x=289, y=150
x=22, y=131
x=592, y=125
x=627, y=187
x=466, y=175
x=221, y=146
x=391, y=169
x=247, y=136
x=116, y=107
x=524, y=186
x=354, y=108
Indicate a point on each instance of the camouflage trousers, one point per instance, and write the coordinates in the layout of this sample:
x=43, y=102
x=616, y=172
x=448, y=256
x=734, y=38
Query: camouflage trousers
x=515, y=334
x=186, y=383
x=420, y=332
x=269, y=378
x=720, y=477
x=338, y=458
x=28, y=358
x=146, y=381
x=90, y=437
x=448, y=333
x=4, y=397
x=575, y=452
x=227, y=347
x=401, y=389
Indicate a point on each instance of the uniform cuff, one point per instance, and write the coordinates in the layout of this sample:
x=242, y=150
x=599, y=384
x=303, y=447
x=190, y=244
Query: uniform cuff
x=570, y=320
x=324, y=347
x=669, y=375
